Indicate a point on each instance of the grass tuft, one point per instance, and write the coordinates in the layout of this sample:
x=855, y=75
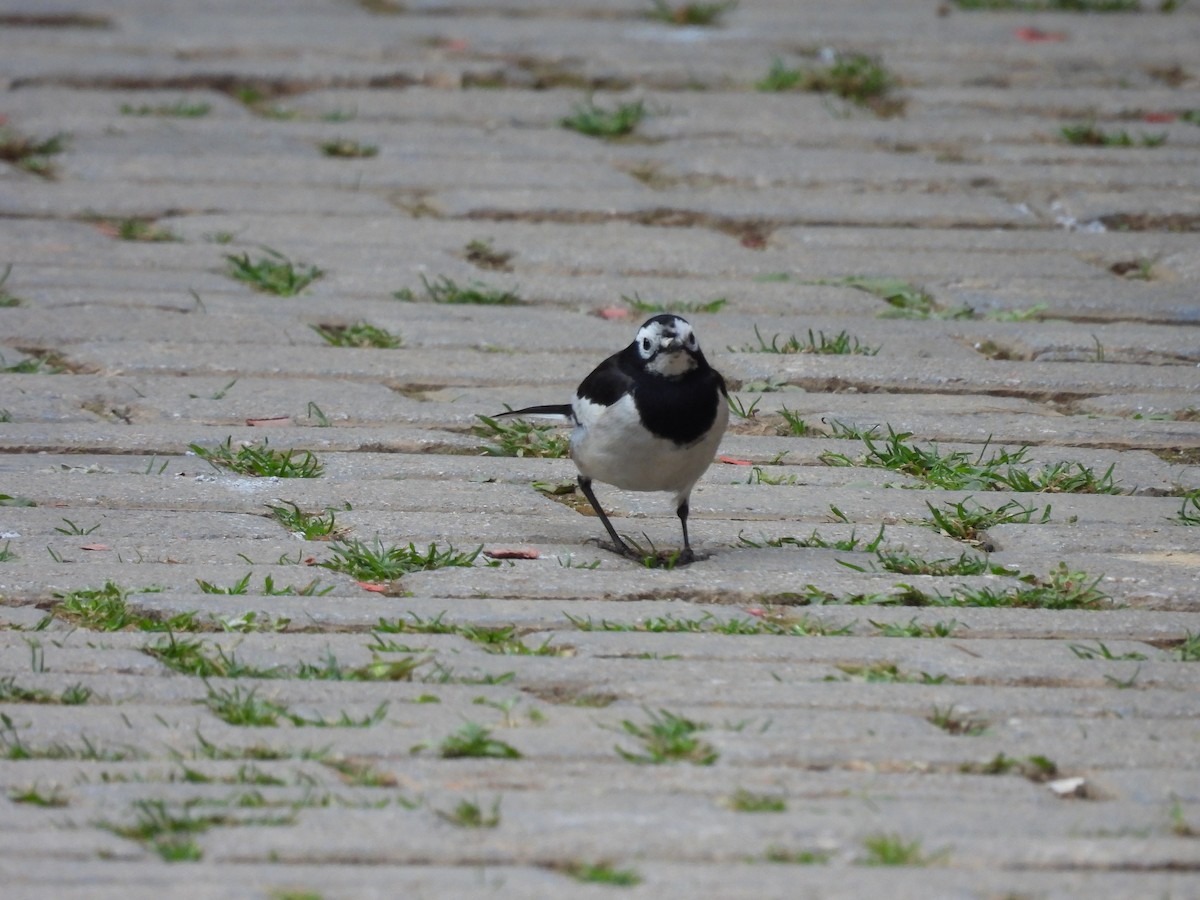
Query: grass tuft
x=260, y=461
x=375, y=562
x=273, y=273
x=180, y=109
x=597, y=121
x=482, y=254
x=841, y=344
x=704, y=14
x=359, y=335
x=668, y=738
x=344, y=148
x=311, y=526
x=1089, y=134
x=602, y=873
x=522, y=438
x=892, y=850
x=1002, y=470
x=445, y=290
x=473, y=740
x=743, y=800
x=637, y=304
x=856, y=77
x=469, y=814
x=952, y=722
x=1189, y=511
x=30, y=154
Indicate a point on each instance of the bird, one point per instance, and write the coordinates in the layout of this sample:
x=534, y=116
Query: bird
x=648, y=418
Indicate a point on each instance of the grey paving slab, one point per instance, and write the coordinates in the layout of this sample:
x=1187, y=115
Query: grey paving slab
x=828, y=651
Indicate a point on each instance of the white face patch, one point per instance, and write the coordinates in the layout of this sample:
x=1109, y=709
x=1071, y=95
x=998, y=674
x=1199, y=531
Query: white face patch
x=665, y=346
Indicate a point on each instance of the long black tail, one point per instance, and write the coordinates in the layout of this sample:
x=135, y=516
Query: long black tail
x=560, y=410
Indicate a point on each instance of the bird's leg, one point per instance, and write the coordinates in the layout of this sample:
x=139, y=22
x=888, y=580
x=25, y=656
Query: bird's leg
x=687, y=555
x=585, y=485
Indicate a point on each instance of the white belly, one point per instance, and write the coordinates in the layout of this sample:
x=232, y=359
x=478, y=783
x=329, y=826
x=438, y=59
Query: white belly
x=610, y=445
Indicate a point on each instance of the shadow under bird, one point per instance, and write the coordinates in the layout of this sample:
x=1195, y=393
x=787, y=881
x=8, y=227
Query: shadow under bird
x=648, y=418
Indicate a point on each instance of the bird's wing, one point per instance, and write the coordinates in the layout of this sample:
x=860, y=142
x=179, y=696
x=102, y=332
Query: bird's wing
x=610, y=380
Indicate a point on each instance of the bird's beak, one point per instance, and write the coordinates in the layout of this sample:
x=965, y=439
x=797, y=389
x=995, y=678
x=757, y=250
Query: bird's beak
x=671, y=344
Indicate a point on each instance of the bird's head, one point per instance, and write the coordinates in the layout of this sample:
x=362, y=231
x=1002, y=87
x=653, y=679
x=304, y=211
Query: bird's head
x=667, y=346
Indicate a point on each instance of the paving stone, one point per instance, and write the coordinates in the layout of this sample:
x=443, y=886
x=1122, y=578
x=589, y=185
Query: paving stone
x=1063, y=282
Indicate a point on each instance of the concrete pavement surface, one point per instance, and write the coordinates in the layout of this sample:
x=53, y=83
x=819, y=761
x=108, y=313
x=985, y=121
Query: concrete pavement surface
x=282, y=617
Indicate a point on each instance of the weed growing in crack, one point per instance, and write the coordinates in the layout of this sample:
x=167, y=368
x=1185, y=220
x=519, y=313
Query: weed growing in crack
x=360, y=335
x=273, y=273
x=36, y=362
x=180, y=109
x=957, y=470
x=107, y=609
x=884, y=672
x=1189, y=511
x=783, y=855
x=170, y=831
x=1062, y=588
x=743, y=800
x=53, y=798
x=693, y=13
x=446, y=290
x=952, y=722
x=245, y=708
x=11, y=692
x=375, y=562
x=893, y=850
x=7, y=299
x=260, y=461
x=914, y=629
x=793, y=424
x=902, y=562
x=851, y=543
x=344, y=148
x=521, y=438
x=190, y=656
x=601, y=873
x=597, y=121
x=904, y=299
x=144, y=230
x=483, y=255
x=473, y=740
x=1089, y=135
x=841, y=344
x=13, y=747
x=1035, y=768
x=668, y=738
x=1188, y=648
x=705, y=624
x=637, y=304
x=856, y=77
x=310, y=526
x=469, y=814
x=967, y=521
x=30, y=154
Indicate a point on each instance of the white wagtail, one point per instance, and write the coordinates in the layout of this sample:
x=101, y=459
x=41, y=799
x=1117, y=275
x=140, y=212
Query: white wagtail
x=648, y=418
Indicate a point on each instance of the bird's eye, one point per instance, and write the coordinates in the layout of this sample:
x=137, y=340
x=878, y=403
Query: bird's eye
x=646, y=344
x=691, y=340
